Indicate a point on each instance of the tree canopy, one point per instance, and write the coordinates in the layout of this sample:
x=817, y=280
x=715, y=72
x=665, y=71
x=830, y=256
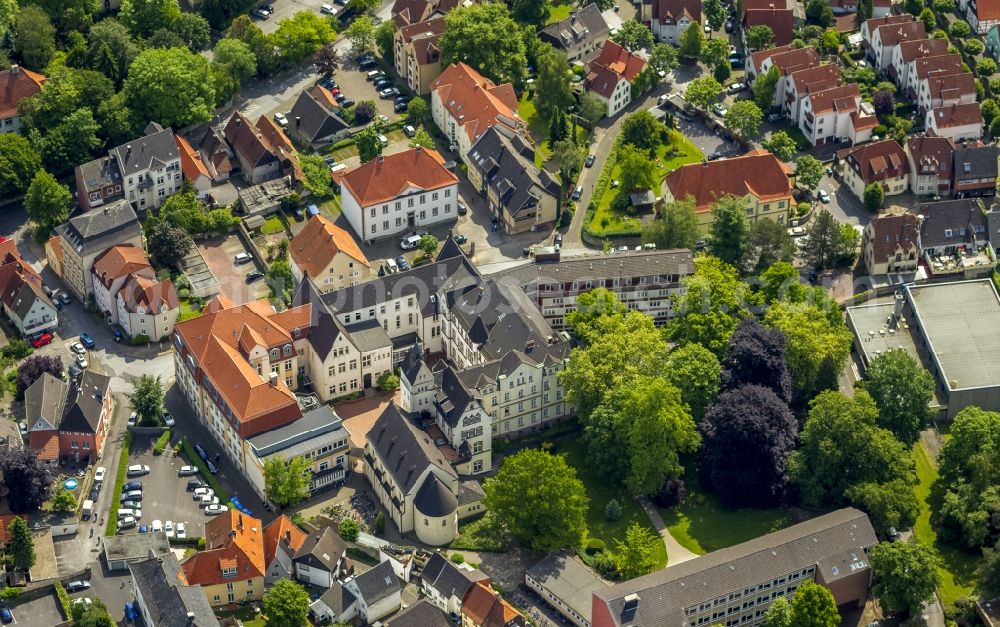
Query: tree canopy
x=703, y=92
x=905, y=575
x=714, y=302
x=27, y=479
x=676, y=226
x=633, y=36
x=47, y=201
x=756, y=356
x=730, y=230
x=146, y=399
x=19, y=161
x=488, y=39
x=287, y=480
x=286, y=604
x=744, y=117
x=814, y=606
x=21, y=545
x=902, y=390
x=696, y=372
x=172, y=86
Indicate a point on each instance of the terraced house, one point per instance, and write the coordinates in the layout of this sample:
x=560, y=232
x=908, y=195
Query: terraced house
x=231, y=567
x=417, y=54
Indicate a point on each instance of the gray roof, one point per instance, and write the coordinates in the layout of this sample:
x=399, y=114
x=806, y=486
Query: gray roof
x=101, y=228
x=404, y=449
x=45, y=398
x=993, y=226
x=975, y=163
x=469, y=491
x=451, y=397
x=510, y=173
x=447, y=578
x=83, y=414
x=312, y=424
x=98, y=173
x=678, y=263
x=377, y=583
x=168, y=601
x=585, y=24
x=28, y=292
x=154, y=151
x=965, y=220
x=834, y=544
x=569, y=580
x=412, y=363
x=136, y=546
x=368, y=336
x=337, y=598
x=434, y=499
x=423, y=613
x=312, y=120
x=321, y=549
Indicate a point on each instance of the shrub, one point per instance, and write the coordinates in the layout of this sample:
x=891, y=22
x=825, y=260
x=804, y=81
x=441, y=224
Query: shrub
x=201, y=544
x=960, y=29
x=63, y=599
x=995, y=85
x=388, y=382
x=595, y=545
x=380, y=522
x=672, y=493
x=16, y=350
x=161, y=443
x=457, y=558
x=12, y=593
x=986, y=67
x=973, y=46
x=613, y=510
x=349, y=529
x=140, y=339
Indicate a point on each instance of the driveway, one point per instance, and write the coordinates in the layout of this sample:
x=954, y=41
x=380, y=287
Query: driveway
x=219, y=253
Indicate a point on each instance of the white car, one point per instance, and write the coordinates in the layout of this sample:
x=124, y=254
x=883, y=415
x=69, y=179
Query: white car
x=409, y=243
x=168, y=419
x=208, y=499
x=132, y=418
x=137, y=470
x=409, y=130
x=719, y=110
x=81, y=360
x=187, y=471
x=181, y=531
x=824, y=197
x=215, y=509
x=126, y=523
x=736, y=88
x=168, y=527
x=99, y=473
x=383, y=119
x=77, y=348
x=281, y=119
x=200, y=492
x=157, y=526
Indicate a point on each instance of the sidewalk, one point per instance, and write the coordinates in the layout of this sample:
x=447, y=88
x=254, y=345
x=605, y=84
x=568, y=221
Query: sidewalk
x=676, y=553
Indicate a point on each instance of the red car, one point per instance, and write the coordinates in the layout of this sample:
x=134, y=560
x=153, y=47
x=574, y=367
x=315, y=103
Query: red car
x=42, y=340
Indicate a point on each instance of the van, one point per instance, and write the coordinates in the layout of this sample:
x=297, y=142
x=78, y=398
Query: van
x=328, y=9
x=409, y=243
x=126, y=523
x=242, y=258
x=371, y=76
x=391, y=267
x=88, y=509
x=126, y=513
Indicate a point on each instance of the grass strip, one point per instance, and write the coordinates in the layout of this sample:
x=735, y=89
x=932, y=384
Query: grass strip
x=112, y=525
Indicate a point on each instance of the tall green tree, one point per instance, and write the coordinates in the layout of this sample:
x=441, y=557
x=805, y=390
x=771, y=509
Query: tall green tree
x=488, y=39
x=361, y=34
x=592, y=108
x=633, y=36
x=891, y=505
x=819, y=12
x=570, y=158
x=286, y=604
x=642, y=130
x=553, y=90
x=539, y=499
x=730, y=230
x=8, y=11
x=168, y=244
x=384, y=35
x=874, y=196
x=713, y=303
x=690, y=43
x=193, y=30
x=808, y=171
x=663, y=58
x=531, y=12
x=780, y=143
x=988, y=573
x=703, y=92
x=769, y=244
x=233, y=64
x=171, y=86
x=676, y=226
x=47, y=202
x=287, y=480
x=906, y=575
x=814, y=606
x=902, y=390
x=19, y=161
x=146, y=399
x=72, y=142
x=969, y=471
x=779, y=614
x=715, y=14
x=759, y=37
x=825, y=244
x=714, y=52
x=261, y=46
x=145, y=17
x=819, y=344
x=637, y=170
x=301, y=35
x=636, y=556
x=418, y=112
x=33, y=38
x=369, y=145
x=592, y=306
x=21, y=545
x=696, y=372
x=110, y=49
x=744, y=117
x=764, y=88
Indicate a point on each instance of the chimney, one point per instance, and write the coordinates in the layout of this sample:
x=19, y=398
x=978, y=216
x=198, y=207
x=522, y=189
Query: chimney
x=240, y=524
x=273, y=379
x=15, y=68
x=128, y=149
x=239, y=122
x=288, y=536
x=298, y=121
x=529, y=346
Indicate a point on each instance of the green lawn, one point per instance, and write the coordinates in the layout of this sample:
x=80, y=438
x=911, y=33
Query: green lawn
x=600, y=493
x=526, y=109
x=959, y=568
x=272, y=226
x=560, y=12
x=188, y=310
x=669, y=157
x=331, y=206
x=246, y=616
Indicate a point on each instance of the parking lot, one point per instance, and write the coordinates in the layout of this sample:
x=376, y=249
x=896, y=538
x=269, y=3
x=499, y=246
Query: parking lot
x=219, y=253
x=43, y=612
x=353, y=83
x=164, y=493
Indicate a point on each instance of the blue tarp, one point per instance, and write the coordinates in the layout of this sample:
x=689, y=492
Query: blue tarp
x=313, y=210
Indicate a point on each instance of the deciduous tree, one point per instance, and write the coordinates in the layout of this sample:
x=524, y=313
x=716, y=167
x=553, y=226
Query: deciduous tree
x=539, y=499
x=418, y=112
x=287, y=480
x=714, y=302
x=690, y=44
x=570, y=157
x=826, y=244
x=808, y=171
x=171, y=86
x=663, y=58
x=261, y=46
x=487, y=38
x=63, y=501
x=532, y=12
x=19, y=161
x=110, y=49
x=715, y=14
x=759, y=37
x=33, y=38
x=72, y=142
x=633, y=36
x=676, y=226
x=146, y=399
x=703, y=92
x=969, y=475
x=874, y=196
x=906, y=575
x=553, y=88
x=384, y=35
x=145, y=17
x=696, y=372
x=891, y=505
x=818, y=344
x=301, y=35
x=814, y=606
x=747, y=437
x=765, y=87
x=744, y=117
x=592, y=108
x=369, y=145
x=781, y=144
x=902, y=390
x=988, y=579
x=286, y=604
x=637, y=170
x=27, y=479
x=47, y=201
x=714, y=52
x=636, y=556
x=193, y=30
x=730, y=230
x=769, y=244
x=819, y=12
x=361, y=34
x=779, y=614
x=590, y=307
x=756, y=356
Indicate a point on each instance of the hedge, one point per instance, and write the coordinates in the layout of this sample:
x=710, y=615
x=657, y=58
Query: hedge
x=188, y=451
x=63, y=599
x=112, y=526
x=161, y=443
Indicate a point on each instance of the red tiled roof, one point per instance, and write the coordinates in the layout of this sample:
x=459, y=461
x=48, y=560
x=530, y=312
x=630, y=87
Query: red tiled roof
x=602, y=80
x=758, y=172
x=874, y=23
x=281, y=530
x=232, y=540
x=877, y=161
x=919, y=48
x=121, y=261
x=385, y=178
x=191, y=164
x=318, y=243
x=893, y=34
x=841, y=98
x=779, y=20
x=15, y=86
x=931, y=155
x=758, y=58
x=815, y=78
x=620, y=60
x=796, y=59
x=484, y=608
x=151, y=295
x=943, y=64
x=671, y=11
x=956, y=115
x=892, y=232
x=945, y=86
x=988, y=10
x=475, y=102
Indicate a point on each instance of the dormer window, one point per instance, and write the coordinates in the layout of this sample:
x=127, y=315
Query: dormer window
x=229, y=573
x=274, y=353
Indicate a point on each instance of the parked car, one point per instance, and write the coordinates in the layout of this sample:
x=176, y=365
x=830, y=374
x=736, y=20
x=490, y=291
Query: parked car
x=125, y=523
x=208, y=499
x=77, y=586
x=119, y=336
x=137, y=470
x=736, y=88
x=374, y=75
x=81, y=361
x=23, y=428
x=201, y=452
x=461, y=239
x=132, y=419
x=577, y=193
x=242, y=258
x=77, y=348
x=99, y=473
x=340, y=98
x=75, y=371
x=200, y=492
x=589, y=162
x=462, y=209
x=253, y=275
x=187, y=471
x=328, y=9
x=212, y=468
x=775, y=117
x=132, y=485
x=402, y=263
x=86, y=601
x=143, y=529
x=409, y=130
x=400, y=106
x=194, y=484
x=168, y=528
x=410, y=242
x=215, y=509
x=281, y=119
x=391, y=267
x=346, y=103
x=181, y=531
x=342, y=3
x=6, y=615
x=168, y=419
x=382, y=139
x=133, y=495
x=719, y=109
x=824, y=196
x=389, y=92
x=157, y=526
x=42, y=340
x=261, y=14
x=729, y=26
x=133, y=505
x=382, y=83
x=715, y=155
x=64, y=298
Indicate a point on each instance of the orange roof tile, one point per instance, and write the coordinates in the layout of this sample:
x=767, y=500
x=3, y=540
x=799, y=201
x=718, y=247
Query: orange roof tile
x=988, y=10
x=55, y=242
x=758, y=172
x=282, y=531
x=232, y=540
x=876, y=161
x=758, y=58
x=151, y=295
x=217, y=304
x=843, y=97
x=796, y=59
x=385, y=178
x=5, y=521
x=475, y=101
x=484, y=608
x=620, y=60
x=893, y=34
x=779, y=20
x=120, y=261
x=319, y=242
x=15, y=86
x=191, y=164
x=957, y=115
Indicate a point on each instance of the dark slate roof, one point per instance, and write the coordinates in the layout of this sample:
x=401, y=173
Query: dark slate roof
x=434, y=498
x=155, y=150
x=404, y=449
x=338, y=598
x=498, y=318
x=412, y=363
x=84, y=412
x=518, y=185
x=450, y=249
x=834, y=543
x=423, y=613
x=368, y=336
x=321, y=549
x=964, y=218
x=98, y=173
x=993, y=226
x=451, y=397
x=167, y=599
x=586, y=24
x=377, y=583
x=975, y=163
x=27, y=294
x=447, y=578
x=312, y=120
x=678, y=262
x=469, y=491
x=46, y=397
x=101, y=228
x=313, y=423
